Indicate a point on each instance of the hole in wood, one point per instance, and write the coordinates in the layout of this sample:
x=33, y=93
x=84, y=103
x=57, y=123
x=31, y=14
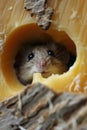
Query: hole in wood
x=47, y=52
x=42, y=55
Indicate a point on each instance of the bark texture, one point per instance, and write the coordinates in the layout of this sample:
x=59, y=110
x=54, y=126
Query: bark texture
x=42, y=13
x=38, y=108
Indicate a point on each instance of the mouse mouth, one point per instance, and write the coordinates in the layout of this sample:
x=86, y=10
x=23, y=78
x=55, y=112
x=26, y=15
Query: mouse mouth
x=45, y=74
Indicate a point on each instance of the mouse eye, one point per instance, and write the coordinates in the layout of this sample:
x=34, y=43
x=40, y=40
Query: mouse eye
x=30, y=56
x=50, y=53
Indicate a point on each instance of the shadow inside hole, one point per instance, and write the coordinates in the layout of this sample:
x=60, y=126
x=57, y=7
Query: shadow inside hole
x=71, y=60
x=27, y=59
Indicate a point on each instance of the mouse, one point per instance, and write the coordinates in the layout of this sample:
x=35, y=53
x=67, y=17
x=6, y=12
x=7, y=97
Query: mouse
x=46, y=58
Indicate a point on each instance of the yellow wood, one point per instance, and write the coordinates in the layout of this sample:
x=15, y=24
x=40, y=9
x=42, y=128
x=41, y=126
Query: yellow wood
x=69, y=25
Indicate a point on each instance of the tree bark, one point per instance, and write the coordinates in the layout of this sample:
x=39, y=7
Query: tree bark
x=38, y=108
x=42, y=12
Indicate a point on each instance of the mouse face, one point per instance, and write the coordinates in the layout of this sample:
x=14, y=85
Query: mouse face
x=43, y=59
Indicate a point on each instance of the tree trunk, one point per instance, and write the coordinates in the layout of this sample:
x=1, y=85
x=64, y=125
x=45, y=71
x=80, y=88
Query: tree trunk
x=37, y=107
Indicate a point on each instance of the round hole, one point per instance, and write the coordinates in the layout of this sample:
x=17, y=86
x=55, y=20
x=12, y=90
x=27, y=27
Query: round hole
x=32, y=35
x=33, y=57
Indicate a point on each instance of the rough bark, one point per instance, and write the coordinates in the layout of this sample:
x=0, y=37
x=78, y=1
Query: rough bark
x=42, y=12
x=38, y=108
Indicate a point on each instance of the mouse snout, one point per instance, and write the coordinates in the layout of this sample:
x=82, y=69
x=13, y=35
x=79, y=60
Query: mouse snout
x=43, y=62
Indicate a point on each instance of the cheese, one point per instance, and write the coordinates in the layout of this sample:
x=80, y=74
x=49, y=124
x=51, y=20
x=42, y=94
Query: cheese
x=69, y=26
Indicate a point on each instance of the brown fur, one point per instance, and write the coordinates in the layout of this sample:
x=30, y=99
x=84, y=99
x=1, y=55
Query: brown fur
x=56, y=64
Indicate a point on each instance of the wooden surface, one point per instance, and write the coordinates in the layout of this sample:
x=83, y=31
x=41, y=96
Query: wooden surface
x=38, y=108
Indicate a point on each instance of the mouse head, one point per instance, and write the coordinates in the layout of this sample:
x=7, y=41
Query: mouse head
x=47, y=59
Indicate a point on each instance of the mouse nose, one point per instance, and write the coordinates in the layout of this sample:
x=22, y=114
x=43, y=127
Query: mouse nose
x=43, y=62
